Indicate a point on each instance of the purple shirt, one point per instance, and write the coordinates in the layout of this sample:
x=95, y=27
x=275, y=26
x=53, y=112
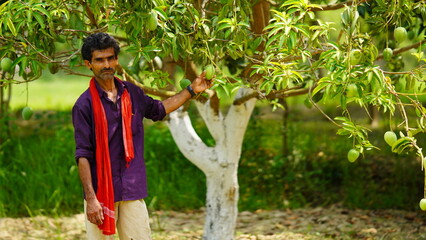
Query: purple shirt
x=129, y=183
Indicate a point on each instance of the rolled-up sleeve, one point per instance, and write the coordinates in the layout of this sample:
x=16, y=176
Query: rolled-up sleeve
x=152, y=109
x=155, y=109
x=83, y=134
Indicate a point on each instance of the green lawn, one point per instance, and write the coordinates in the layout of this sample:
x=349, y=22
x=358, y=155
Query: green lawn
x=50, y=92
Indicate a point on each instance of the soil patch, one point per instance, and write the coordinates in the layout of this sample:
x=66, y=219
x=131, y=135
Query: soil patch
x=309, y=223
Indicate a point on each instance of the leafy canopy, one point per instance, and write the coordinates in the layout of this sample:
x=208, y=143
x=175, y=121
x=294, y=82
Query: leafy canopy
x=332, y=52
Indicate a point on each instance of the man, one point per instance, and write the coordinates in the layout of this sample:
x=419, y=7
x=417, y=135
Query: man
x=109, y=134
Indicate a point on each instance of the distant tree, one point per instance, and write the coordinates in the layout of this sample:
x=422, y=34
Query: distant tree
x=372, y=55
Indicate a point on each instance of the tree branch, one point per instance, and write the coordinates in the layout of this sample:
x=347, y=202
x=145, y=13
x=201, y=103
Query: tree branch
x=148, y=90
x=102, y=29
x=335, y=6
x=71, y=72
x=245, y=98
x=89, y=13
x=404, y=49
x=272, y=95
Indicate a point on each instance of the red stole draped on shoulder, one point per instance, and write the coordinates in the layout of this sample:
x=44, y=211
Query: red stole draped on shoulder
x=105, y=190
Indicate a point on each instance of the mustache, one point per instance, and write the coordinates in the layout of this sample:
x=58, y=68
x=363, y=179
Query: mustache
x=107, y=69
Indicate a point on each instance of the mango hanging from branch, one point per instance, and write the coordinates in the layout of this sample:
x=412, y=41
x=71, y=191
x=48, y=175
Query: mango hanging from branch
x=209, y=72
x=353, y=155
x=152, y=21
x=387, y=54
x=400, y=34
x=6, y=64
x=27, y=112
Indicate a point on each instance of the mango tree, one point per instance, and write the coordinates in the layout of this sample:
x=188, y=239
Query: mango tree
x=346, y=53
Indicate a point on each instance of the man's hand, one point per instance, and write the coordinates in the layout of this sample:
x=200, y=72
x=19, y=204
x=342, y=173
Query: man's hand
x=94, y=211
x=198, y=86
x=201, y=83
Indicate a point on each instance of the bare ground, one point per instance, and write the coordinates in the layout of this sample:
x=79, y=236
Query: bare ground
x=309, y=223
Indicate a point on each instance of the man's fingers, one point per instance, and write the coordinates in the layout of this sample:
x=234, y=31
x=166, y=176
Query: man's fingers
x=100, y=217
x=96, y=218
x=100, y=220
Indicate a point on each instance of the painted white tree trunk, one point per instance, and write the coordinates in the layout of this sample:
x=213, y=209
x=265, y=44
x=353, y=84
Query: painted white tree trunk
x=219, y=163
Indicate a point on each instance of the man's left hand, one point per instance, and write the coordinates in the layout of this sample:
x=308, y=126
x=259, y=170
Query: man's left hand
x=201, y=83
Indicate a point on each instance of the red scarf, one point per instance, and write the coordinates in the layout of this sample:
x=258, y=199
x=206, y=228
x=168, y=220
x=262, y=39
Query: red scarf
x=105, y=191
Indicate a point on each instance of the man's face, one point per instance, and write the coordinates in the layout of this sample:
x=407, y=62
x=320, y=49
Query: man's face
x=103, y=64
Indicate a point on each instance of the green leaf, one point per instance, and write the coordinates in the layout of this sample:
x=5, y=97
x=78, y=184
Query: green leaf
x=343, y=132
x=271, y=40
x=343, y=119
x=343, y=101
x=291, y=41
x=301, y=27
x=321, y=85
x=39, y=19
x=221, y=91
x=175, y=51
x=11, y=26
x=291, y=2
x=160, y=12
x=2, y=7
x=42, y=10
x=402, y=144
x=267, y=86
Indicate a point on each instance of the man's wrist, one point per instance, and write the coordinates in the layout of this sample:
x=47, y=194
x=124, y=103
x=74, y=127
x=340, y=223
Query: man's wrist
x=191, y=91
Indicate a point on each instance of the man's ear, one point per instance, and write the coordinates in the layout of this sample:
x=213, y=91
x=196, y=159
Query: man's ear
x=88, y=64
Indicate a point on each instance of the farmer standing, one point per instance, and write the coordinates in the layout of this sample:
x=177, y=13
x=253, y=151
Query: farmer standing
x=109, y=138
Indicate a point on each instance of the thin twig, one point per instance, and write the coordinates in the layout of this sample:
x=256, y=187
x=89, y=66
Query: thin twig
x=39, y=53
x=335, y=6
x=101, y=29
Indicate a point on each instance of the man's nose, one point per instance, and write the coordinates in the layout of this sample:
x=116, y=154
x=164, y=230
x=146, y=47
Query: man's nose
x=106, y=63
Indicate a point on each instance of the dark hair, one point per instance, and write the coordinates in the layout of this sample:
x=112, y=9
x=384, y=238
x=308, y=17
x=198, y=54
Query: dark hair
x=98, y=41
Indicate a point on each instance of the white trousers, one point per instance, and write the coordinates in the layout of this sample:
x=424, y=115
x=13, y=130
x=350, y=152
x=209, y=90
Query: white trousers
x=131, y=220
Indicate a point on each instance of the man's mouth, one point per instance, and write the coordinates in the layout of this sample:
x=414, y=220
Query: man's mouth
x=107, y=70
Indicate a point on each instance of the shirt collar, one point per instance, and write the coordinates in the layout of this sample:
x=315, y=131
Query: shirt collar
x=118, y=84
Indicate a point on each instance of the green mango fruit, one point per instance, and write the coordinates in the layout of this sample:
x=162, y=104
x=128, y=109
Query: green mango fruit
x=352, y=90
x=355, y=56
x=152, y=21
x=27, y=112
x=53, y=67
x=6, y=64
x=209, y=72
x=387, y=54
x=353, y=155
x=390, y=138
x=184, y=83
x=423, y=204
x=400, y=34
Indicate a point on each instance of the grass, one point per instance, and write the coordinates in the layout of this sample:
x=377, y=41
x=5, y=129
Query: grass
x=50, y=92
